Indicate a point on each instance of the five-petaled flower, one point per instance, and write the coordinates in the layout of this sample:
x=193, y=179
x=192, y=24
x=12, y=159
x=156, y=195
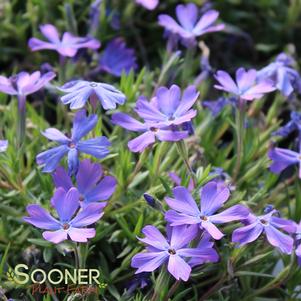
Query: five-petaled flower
x=213, y=195
x=91, y=183
x=191, y=26
x=72, y=223
x=270, y=225
x=78, y=92
x=117, y=58
x=247, y=86
x=163, y=116
x=67, y=46
x=174, y=250
x=82, y=125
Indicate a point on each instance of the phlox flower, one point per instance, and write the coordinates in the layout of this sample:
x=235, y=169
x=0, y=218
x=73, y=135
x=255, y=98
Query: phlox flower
x=246, y=85
x=3, y=145
x=163, y=116
x=71, y=223
x=117, y=58
x=66, y=46
x=292, y=125
x=91, y=183
x=78, y=92
x=283, y=158
x=82, y=125
x=190, y=25
x=298, y=243
x=148, y=4
x=270, y=225
x=172, y=250
x=213, y=195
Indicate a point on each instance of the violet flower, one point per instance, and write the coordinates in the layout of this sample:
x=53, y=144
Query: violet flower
x=82, y=125
x=177, y=181
x=298, y=243
x=117, y=58
x=71, y=224
x=78, y=92
x=174, y=251
x=3, y=145
x=92, y=185
x=148, y=4
x=162, y=115
x=190, y=25
x=281, y=72
x=246, y=86
x=271, y=226
x=292, y=125
x=67, y=46
x=213, y=195
x=282, y=158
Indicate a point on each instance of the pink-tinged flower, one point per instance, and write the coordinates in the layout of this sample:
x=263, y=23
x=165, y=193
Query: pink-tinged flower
x=3, y=145
x=91, y=183
x=117, y=58
x=78, y=92
x=177, y=181
x=148, y=4
x=298, y=243
x=172, y=250
x=163, y=116
x=190, y=25
x=213, y=196
x=71, y=223
x=68, y=45
x=23, y=84
x=270, y=225
x=82, y=125
x=283, y=158
x=246, y=86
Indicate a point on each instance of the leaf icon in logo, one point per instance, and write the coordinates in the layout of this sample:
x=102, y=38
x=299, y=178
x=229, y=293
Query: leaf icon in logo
x=11, y=275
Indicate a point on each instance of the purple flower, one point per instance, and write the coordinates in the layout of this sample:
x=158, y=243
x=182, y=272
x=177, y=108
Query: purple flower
x=282, y=158
x=71, y=224
x=82, y=125
x=116, y=58
x=67, y=46
x=213, y=195
x=246, y=87
x=92, y=185
x=270, y=225
x=148, y=4
x=78, y=92
x=298, y=243
x=216, y=106
x=281, y=72
x=190, y=26
x=23, y=84
x=292, y=125
x=174, y=250
x=177, y=181
x=3, y=145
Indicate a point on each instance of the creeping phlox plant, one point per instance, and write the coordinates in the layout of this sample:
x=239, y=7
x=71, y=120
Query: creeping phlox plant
x=172, y=195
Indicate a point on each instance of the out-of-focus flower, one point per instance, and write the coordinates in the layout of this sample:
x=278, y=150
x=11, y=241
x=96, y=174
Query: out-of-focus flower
x=66, y=204
x=78, y=92
x=91, y=183
x=190, y=26
x=216, y=106
x=247, y=86
x=213, y=195
x=94, y=14
x=286, y=78
x=292, y=125
x=298, y=243
x=139, y=281
x=270, y=225
x=67, y=46
x=174, y=250
x=117, y=58
x=82, y=125
x=282, y=158
x=3, y=145
x=148, y=4
x=23, y=84
x=162, y=115
x=177, y=181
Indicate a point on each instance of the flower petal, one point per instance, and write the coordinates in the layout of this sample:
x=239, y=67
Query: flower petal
x=247, y=234
x=178, y=267
x=55, y=236
x=148, y=261
x=81, y=235
x=234, y=213
x=141, y=142
x=97, y=147
x=89, y=215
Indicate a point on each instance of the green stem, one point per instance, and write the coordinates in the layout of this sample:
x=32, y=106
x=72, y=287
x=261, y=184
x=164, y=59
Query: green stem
x=76, y=256
x=172, y=290
x=240, y=116
x=21, y=120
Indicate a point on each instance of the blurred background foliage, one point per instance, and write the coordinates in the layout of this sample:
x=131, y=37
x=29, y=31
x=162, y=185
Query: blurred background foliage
x=256, y=32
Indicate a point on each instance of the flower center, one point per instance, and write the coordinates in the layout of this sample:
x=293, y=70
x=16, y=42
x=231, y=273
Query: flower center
x=66, y=226
x=72, y=145
x=81, y=198
x=153, y=129
x=172, y=251
x=93, y=84
x=204, y=218
x=264, y=222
